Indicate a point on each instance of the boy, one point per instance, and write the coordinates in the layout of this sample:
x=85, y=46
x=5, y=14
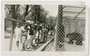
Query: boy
x=30, y=35
x=23, y=38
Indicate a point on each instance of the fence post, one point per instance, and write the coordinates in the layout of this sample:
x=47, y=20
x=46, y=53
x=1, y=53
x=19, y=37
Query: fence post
x=13, y=25
x=11, y=38
x=60, y=34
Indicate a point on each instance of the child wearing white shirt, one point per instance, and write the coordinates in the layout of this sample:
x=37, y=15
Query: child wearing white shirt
x=18, y=32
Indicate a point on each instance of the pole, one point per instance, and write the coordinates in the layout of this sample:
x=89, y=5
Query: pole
x=60, y=30
x=11, y=38
x=13, y=25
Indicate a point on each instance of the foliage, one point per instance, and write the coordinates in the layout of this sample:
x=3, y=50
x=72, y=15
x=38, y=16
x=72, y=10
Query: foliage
x=51, y=20
x=35, y=13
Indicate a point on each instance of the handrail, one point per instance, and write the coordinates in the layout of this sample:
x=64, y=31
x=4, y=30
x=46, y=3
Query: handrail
x=44, y=45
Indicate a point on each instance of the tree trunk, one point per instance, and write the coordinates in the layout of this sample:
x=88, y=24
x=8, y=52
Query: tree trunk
x=13, y=15
x=26, y=13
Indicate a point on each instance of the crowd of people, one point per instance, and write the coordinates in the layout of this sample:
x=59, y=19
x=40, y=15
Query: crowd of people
x=28, y=36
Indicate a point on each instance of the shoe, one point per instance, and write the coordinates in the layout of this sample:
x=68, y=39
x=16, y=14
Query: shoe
x=22, y=50
x=30, y=47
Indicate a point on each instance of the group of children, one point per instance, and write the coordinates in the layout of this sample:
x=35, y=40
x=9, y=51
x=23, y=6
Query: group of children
x=27, y=36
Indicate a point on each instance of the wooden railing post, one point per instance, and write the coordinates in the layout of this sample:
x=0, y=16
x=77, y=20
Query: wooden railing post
x=11, y=38
x=13, y=25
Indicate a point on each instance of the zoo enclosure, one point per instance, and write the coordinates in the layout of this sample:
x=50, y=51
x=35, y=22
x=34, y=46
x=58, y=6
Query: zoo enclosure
x=70, y=19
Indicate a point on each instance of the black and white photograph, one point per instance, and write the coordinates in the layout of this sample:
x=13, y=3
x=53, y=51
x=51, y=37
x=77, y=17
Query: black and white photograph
x=44, y=27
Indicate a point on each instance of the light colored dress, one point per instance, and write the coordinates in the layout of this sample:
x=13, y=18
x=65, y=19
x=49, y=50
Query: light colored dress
x=18, y=32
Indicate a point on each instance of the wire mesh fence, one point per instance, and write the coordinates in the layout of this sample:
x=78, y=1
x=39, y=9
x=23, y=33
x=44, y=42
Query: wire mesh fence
x=69, y=28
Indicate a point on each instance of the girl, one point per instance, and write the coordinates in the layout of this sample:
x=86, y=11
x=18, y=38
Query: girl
x=18, y=32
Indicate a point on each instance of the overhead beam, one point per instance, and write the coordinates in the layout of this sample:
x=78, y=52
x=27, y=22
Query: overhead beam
x=74, y=6
x=13, y=20
x=73, y=17
x=72, y=12
x=80, y=12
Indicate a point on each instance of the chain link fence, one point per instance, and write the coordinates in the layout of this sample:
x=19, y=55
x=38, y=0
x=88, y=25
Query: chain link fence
x=69, y=28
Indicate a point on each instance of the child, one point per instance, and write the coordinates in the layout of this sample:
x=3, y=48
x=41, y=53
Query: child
x=30, y=35
x=36, y=40
x=23, y=38
x=18, y=33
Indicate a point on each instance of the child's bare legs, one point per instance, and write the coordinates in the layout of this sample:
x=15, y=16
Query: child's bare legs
x=23, y=42
x=16, y=45
x=29, y=41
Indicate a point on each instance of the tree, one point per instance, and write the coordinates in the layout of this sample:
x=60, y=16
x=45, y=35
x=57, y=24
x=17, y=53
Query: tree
x=27, y=7
x=38, y=14
x=13, y=15
x=52, y=20
x=14, y=12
